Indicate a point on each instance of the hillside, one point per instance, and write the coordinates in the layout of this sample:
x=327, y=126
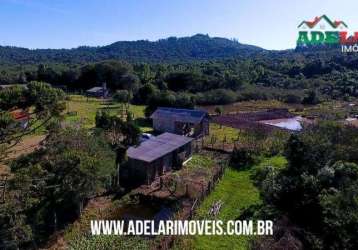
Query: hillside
x=197, y=47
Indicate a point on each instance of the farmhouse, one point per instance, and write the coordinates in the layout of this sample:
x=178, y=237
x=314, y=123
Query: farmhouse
x=156, y=156
x=188, y=122
x=98, y=91
x=21, y=116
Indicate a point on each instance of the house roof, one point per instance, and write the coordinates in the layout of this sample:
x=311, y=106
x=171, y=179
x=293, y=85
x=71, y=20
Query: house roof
x=157, y=147
x=313, y=23
x=95, y=89
x=19, y=115
x=181, y=115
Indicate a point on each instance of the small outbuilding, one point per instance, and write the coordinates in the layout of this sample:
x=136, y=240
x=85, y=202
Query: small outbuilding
x=188, y=122
x=156, y=156
x=98, y=92
x=21, y=116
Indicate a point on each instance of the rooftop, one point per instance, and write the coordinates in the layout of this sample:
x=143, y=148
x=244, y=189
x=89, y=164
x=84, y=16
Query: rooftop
x=182, y=115
x=19, y=115
x=95, y=89
x=157, y=147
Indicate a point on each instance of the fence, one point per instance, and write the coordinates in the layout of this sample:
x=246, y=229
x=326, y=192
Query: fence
x=212, y=143
x=188, y=209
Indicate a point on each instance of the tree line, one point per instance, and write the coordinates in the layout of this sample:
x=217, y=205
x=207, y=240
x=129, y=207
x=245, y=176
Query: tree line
x=291, y=77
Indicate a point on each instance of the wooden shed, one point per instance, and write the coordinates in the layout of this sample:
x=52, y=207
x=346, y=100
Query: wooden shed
x=156, y=156
x=188, y=122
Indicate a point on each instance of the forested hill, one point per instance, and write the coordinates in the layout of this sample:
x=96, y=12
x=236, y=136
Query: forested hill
x=197, y=47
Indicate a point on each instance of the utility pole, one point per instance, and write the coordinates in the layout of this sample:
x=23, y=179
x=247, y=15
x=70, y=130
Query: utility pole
x=3, y=182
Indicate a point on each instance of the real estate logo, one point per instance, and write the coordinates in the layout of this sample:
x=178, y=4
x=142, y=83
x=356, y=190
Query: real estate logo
x=323, y=31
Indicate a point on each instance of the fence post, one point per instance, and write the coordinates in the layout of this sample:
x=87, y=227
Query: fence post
x=3, y=186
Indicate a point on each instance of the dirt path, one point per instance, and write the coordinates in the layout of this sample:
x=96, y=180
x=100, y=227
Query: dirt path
x=26, y=146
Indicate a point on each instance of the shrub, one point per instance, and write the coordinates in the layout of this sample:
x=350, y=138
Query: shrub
x=292, y=99
x=311, y=98
x=216, y=96
x=122, y=96
x=169, y=99
x=242, y=157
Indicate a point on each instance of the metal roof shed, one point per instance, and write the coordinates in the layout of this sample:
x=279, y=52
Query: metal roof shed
x=158, y=147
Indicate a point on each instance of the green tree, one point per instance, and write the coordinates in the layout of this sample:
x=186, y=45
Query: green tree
x=122, y=96
x=311, y=98
x=50, y=186
x=39, y=101
x=317, y=190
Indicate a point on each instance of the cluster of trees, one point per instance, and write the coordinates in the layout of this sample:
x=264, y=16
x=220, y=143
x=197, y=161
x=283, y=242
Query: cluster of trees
x=42, y=104
x=289, y=78
x=39, y=101
x=49, y=187
x=314, y=200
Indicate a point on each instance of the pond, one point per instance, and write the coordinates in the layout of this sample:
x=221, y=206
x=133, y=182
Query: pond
x=294, y=124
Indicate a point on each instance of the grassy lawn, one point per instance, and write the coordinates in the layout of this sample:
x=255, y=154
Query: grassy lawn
x=237, y=192
x=82, y=109
x=221, y=137
x=200, y=161
x=277, y=162
x=220, y=132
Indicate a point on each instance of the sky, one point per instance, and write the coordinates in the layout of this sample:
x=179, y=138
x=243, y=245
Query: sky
x=271, y=24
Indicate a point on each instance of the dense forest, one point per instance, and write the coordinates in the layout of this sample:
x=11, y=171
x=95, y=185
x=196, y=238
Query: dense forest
x=198, y=47
x=189, y=71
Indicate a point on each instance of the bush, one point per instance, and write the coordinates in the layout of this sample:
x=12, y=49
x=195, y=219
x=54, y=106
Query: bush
x=216, y=96
x=103, y=119
x=292, y=99
x=169, y=99
x=242, y=157
x=145, y=93
x=122, y=96
x=311, y=98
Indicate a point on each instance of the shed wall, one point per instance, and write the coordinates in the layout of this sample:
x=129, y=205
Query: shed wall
x=163, y=125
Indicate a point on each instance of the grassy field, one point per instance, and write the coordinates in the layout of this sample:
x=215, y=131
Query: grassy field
x=237, y=192
x=83, y=110
x=220, y=132
x=249, y=106
x=200, y=161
